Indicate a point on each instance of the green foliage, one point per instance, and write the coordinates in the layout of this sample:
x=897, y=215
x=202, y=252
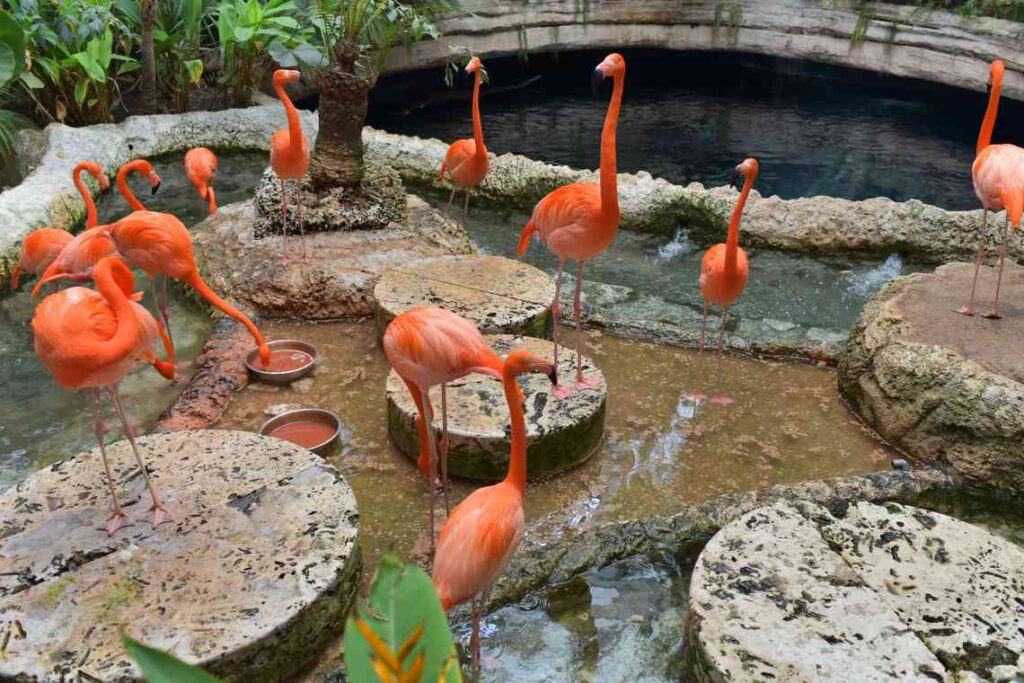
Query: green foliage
x=860, y=27
x=349, y=28
x=403, y=628
x=159, y=667
x=12, y=49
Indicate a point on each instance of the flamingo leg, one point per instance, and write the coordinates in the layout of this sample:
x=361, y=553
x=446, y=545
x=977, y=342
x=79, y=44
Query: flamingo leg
x=284, y=223
x=465, y=209
x=160, y=514
x=704, y=325
x=117, y=519
x=445, y=445
x=581, y=383
x=721, y=331
x=302, y=226
x=982, y=248
x=474, y=639
x=994, y=315
x=428, y=418
x=557, y=390
x=165, y=308
x=451, y=199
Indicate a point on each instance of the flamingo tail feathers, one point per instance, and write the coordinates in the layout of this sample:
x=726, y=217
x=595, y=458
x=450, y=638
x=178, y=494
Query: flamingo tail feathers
x=524, y=239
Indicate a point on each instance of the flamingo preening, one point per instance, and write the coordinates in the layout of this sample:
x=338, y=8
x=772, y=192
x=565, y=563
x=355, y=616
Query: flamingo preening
x=724, y=268
x=428, y=346
x=466, y=160
x=289, y=156
x=998, y=175
x=201, y=169
x=90, y=339
x=580, y=220
x=484, y=530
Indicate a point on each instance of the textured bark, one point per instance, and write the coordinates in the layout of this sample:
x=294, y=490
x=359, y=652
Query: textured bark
x=149, y=98
x=338, y=155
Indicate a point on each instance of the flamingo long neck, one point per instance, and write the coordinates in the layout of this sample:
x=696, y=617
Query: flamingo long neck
x=196, y=282
x=91, y=217
x=988, y=124
x=126, y=337
x=122, y=186
x=478, y=128
x=609, y=180
x=732, y=242
x=517, y=459
x=294, y=127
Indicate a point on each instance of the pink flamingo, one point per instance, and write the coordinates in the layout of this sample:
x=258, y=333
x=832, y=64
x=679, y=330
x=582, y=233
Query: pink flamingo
x=466, y=160
x=146, y=170
x=201, y=169
x=580, y=220
x=289, y=156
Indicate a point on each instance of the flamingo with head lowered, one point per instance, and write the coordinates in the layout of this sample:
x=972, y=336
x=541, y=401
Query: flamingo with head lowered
x=146, y=170
x=466, y=160
x=201, y=169
x=289, y=156
x=580, y=220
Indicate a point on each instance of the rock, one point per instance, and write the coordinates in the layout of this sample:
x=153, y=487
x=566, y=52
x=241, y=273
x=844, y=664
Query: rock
x=252, y=578
x=792, y=593
x=561, y=433
x=344, y=266
x=494, y=293
x=939, y=385
x=380, y=203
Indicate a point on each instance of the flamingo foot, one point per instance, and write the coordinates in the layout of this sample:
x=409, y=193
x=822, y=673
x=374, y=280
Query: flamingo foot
x=117, y=520
x=284, y=261
x=994, y=315
x=562, y=391
x=965, y=310
x=158, y=514
x=722, y=400
x=696, y=397
x=582, y=384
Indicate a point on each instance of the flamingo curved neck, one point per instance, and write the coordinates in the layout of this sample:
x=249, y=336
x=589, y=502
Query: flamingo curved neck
x=609, y=181
x=732, y=242
x=126, y=337
x=122, y=187
x=294, y=127
x=517, y=459
x=91, y=217
x=478, y=128
x=988, y=124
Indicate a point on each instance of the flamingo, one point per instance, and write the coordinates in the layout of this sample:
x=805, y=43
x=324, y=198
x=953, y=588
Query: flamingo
x=91, y=339
x=484, y=530
x=159, y=244
x=289, y=155
x=428, y=346
x=466, y=160
x=201, y=169
x=998, y=175
x=146, y=170
x=42, y=246
x=580, y=220
x=724, y=268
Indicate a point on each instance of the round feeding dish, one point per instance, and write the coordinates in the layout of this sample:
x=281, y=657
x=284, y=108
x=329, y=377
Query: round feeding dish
x=290, y=360
x=316, y=429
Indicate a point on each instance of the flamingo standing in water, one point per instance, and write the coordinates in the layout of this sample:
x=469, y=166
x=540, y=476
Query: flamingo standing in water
x=484, y=530
x=201, y=169
x=466, y=160
x=580, y=220
x=998, y=175
x=428, y=346
x=289, y=156
x=146, y=170
x=724, y=268
x=91, y=339
x=42, y=246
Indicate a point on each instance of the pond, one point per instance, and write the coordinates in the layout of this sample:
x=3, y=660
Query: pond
x=693, y=116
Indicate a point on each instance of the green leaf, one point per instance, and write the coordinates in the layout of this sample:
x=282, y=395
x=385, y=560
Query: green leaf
x=243, y=33
x=287, y=22
x=31, y=81
x=284, y=57
x=310, y=55
x=402, y=598
x=92, y=69
x=194, y=69
x=81, y=88
x=8, y=65
x=12, y=58
x=159, y=667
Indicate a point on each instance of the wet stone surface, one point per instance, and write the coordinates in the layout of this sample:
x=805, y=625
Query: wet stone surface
x=561, y=433
x=257, y=568
x=791, y=592
x=495, y=293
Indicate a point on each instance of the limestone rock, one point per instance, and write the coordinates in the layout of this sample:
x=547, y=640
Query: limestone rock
x=939, y=385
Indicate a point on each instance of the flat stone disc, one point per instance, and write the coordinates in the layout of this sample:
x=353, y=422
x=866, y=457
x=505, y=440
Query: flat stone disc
x=256, y=571
x=497, y=294
x=789, y=592
x=560, y=433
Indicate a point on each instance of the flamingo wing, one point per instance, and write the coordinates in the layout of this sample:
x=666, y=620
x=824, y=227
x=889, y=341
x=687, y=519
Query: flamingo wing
x=430, y=345
x=458, y=153
x=997, y=165
x=155, y=242
x=567, y=218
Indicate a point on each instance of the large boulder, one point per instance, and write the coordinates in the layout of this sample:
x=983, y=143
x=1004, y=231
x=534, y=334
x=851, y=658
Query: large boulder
x=940, y=385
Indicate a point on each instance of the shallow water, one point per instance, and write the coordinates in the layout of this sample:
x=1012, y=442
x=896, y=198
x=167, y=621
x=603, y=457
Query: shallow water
x=693, y=116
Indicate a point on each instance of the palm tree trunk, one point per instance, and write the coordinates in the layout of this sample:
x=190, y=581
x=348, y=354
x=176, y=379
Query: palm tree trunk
x=149, y=97
x=338, y=155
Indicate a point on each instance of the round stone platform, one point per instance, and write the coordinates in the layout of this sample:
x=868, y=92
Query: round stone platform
x=254, y=574
x=497, y=294
x=938, y=384
x=791, y=593
x=561, y=433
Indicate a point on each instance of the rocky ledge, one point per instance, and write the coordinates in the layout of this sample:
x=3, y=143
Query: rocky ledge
x=791, y=593
x=940, y=385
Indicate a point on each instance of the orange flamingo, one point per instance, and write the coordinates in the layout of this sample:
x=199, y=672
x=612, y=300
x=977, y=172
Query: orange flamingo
x=428, y=346
x=77, y=259
x=289, y=155
x=146, y=170
x=724, y=268
x=159, y=244
x=201, y=169
x=580, y=220
x=998, y=175
x=43, y=245
x=466, y=160
x=484, y=530
x=91, y=339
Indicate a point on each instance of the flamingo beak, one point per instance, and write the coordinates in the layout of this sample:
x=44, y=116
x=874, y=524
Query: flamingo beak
x=596, y=78
x=553, y=376
x=156, y=188
x=302, y=79
x=735, y=182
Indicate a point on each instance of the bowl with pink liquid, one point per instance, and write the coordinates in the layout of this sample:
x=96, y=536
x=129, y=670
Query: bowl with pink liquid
x=290, y=360
x=315, y=429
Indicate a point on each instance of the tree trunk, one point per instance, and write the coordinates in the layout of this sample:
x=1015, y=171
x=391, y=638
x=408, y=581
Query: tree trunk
x=338, y=155
x=149, y=97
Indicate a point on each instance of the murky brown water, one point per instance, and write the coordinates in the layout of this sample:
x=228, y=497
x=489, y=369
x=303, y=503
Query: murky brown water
x=786, y=425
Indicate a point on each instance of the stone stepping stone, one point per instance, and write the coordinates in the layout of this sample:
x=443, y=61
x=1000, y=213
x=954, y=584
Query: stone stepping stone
x=497, y=294
x=254, y=575
x=790, y=592
x=561, y=433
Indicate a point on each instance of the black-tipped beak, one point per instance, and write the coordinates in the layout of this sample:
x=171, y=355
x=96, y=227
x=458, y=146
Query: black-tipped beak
x=735, y=182
x=553, y=376
x=153, y=190
x=302, y=79
x=595, y=80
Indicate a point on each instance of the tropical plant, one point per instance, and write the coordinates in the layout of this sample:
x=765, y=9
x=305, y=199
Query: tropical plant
x=160, y=667
x=12, y=64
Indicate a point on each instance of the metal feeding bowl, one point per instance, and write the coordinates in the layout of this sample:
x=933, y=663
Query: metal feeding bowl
x=286, y=354
x=316, y=429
